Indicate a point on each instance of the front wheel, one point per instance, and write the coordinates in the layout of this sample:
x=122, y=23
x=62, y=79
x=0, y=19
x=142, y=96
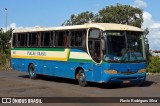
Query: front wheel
x=82, y=78
x=32, y=72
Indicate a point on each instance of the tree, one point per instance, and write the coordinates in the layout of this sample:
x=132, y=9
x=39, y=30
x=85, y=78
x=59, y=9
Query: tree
x=79, y=19
x=5, y=38
x=120, y=14
x=83, y=17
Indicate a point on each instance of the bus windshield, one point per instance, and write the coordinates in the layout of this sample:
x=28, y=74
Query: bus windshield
x=123, y=46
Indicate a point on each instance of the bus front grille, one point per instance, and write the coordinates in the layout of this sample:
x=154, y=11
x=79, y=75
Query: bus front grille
x=127, y=73
x=130, y=78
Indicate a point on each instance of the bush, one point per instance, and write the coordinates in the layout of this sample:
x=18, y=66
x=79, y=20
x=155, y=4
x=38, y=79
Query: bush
x=3, y=59
x=154, y=64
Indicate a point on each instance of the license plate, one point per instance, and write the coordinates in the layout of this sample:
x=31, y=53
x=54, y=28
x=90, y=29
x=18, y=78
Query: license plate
x=126, y=82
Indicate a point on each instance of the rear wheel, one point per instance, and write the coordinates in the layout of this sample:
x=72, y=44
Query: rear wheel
x=32, y=72
x=82, y=78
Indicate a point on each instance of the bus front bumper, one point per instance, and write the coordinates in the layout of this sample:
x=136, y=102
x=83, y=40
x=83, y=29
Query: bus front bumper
x=122, y=78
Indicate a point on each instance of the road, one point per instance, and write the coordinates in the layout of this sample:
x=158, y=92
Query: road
x=18, y=84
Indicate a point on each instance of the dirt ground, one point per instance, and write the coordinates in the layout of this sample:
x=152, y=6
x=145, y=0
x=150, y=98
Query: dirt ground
x=18, y=84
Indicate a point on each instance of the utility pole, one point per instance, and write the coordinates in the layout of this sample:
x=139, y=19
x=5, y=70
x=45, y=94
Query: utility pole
x=6, y=18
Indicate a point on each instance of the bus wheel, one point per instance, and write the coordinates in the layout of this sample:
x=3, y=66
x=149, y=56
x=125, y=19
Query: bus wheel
x=32, y=72
x=82, y=78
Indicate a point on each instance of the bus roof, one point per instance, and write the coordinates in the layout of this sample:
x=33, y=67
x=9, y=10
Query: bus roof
x=102, y=26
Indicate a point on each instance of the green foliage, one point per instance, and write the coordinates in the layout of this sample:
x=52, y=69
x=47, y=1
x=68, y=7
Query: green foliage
x=83, y=17
x=5, y=38
x=5, y=47
x=2, y=59
x=121, y=14
x=154, y=64
x=79, y=19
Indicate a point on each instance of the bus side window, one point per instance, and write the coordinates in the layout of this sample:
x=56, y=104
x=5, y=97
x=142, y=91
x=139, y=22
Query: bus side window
x=47, y=38
x=77, y=38
x=61, y=38
x=14, y=40
x=72, y=38
x=42, y=38
x=38, y=40
x=66, y=39
x=83, y=38
x=23, y=40
x=52, y=39
x=18, y=40
x=32, y=39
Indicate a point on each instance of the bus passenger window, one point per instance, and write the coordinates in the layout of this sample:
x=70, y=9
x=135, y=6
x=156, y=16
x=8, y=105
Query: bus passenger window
x=22, y=40
x=77, y=38
x=46, y=39
x=18, y=40
x=32, y=39
x=39, y=39
x=14, y=40
x=65, y=40
x=61, y=38
x=51, y=43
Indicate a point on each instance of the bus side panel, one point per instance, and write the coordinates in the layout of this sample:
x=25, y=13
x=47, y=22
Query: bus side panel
x=19, y=64
x=52, y=68
x=76, y=58
x=61, y=69
x=45, y=67
x=86, y=66
x=80, y=58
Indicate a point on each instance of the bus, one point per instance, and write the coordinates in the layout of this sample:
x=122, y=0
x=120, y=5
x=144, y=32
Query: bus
x=92, y=52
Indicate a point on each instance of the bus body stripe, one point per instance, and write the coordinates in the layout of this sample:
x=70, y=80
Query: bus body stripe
x=40, y=49
x=65, y=55
x=39, y=58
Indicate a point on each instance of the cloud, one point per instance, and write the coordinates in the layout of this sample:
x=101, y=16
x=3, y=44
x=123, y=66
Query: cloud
x=13, y=25
x=151, y=24
x=4, y=29
x=154, y=30
x=140, y=3
x=147, y=15
x=156, y=26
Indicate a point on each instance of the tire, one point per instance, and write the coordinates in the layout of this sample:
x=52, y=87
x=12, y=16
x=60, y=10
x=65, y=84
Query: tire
x=32, y=72
x=82, y=78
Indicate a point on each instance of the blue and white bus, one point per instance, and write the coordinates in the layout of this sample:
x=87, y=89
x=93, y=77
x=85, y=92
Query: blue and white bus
x=93, y=52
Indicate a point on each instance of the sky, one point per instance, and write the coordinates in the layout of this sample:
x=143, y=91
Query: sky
x=50, y=13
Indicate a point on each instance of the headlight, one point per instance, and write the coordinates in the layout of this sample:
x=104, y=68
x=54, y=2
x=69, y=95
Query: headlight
x=141, y=70
x=110, y=71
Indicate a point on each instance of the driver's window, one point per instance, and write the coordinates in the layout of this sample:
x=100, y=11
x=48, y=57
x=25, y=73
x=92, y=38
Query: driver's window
x=94, y=33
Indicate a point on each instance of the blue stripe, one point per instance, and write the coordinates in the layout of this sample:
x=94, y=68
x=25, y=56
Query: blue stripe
x=77, y=50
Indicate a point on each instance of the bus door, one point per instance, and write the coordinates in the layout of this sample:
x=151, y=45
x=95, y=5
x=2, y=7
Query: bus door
x=95, y=52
